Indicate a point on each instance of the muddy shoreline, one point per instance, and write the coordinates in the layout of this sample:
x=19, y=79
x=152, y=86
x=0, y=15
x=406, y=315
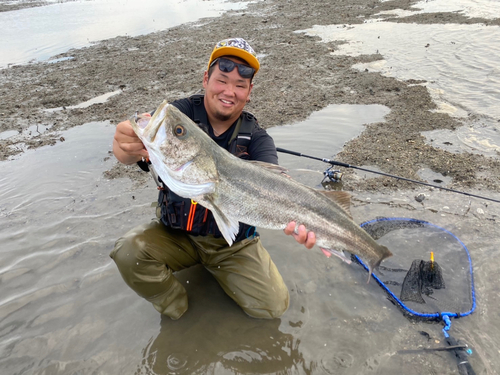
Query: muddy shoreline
x=9, y=5
x=298, y=76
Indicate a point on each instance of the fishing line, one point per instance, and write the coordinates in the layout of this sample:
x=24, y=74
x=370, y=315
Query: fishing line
x=345, y=165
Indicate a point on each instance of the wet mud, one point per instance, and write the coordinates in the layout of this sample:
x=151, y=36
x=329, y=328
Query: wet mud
x=298, y=76
x=9, y=5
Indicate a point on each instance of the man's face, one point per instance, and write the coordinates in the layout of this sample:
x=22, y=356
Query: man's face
x=226, y=93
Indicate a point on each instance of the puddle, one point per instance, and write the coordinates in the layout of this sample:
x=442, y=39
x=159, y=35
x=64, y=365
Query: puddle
x=41, y=32
x=480, y=137
x=97, y=100
x=434, y=178
x=8, y=133
x=37, y=129
x=457, y=62
x=324, y=133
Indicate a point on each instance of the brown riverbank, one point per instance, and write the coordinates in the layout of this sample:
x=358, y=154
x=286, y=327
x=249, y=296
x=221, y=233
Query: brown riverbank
x=298, y=76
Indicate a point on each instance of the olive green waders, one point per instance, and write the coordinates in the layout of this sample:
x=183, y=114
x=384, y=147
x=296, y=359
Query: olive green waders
x=148, y=255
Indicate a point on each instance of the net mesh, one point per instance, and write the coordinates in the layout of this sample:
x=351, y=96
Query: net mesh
x=422, y=278
x=421, y=285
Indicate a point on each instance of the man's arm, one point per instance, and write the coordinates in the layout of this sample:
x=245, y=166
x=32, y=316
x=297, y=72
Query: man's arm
x=127, y=146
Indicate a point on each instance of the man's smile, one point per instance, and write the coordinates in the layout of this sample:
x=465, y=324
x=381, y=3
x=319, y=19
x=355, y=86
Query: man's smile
x=227, y=102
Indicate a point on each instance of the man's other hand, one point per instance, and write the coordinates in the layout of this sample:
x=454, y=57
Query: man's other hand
x=308, y=239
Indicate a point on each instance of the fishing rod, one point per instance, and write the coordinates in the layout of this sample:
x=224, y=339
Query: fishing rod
x=335, y=176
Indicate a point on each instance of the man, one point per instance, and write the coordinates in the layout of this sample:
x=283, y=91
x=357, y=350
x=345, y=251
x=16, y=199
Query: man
x=186, y=234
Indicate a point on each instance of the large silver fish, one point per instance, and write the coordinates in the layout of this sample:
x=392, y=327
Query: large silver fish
x=193, y=166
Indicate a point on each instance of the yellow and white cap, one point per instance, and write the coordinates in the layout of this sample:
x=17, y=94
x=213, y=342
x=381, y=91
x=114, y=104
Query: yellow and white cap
x=238, y=47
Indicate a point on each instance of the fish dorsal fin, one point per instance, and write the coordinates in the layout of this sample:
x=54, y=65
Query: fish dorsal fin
x=269, y=166
x=342, y=198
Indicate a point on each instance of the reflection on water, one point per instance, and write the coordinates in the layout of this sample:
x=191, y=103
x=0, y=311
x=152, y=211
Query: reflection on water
x=323, y=134
x=457, y=62
x=488, y=9
x=41, y=32
x=97, y=100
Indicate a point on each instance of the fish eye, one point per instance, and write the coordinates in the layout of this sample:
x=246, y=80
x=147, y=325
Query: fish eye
x=179, y=130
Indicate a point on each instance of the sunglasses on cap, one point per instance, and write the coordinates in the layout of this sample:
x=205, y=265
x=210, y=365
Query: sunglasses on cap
x=227, y=66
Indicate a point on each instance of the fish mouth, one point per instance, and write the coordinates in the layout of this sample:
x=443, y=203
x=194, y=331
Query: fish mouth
x=142, y=121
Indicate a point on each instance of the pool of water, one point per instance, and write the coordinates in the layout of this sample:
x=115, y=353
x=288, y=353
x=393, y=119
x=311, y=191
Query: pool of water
x=456, y=62
x=324, y=133
x=65, y=309
x=488, y=9
x=36, y=34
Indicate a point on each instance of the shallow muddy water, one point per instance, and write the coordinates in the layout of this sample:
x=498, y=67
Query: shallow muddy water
x=457, y=63
x=326, y=131
x=41, y=32
x=65, y=309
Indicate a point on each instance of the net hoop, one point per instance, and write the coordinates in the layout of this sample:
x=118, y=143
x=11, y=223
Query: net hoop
x=443, y=315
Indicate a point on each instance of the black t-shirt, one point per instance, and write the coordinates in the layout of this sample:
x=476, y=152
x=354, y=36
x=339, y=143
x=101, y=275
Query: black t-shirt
x=261, y=146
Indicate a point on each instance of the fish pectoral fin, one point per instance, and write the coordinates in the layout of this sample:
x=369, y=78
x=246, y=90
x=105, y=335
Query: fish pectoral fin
x=269, y=166
x=342, y=198
x=229, y=227
x=337, y=253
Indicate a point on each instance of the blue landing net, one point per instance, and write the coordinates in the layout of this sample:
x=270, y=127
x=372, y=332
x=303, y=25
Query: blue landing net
x=412, y=241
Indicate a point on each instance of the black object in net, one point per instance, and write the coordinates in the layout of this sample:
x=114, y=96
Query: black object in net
x=422, y=278
x=430, y=272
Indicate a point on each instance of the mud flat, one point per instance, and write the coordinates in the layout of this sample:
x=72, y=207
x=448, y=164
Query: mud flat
x=299, y=75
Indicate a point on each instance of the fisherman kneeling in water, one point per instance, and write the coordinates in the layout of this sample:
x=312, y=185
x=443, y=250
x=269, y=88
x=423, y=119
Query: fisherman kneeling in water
x=186, y=234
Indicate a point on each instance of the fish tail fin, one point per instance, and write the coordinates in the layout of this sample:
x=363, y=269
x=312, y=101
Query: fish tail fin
x=374, y=263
